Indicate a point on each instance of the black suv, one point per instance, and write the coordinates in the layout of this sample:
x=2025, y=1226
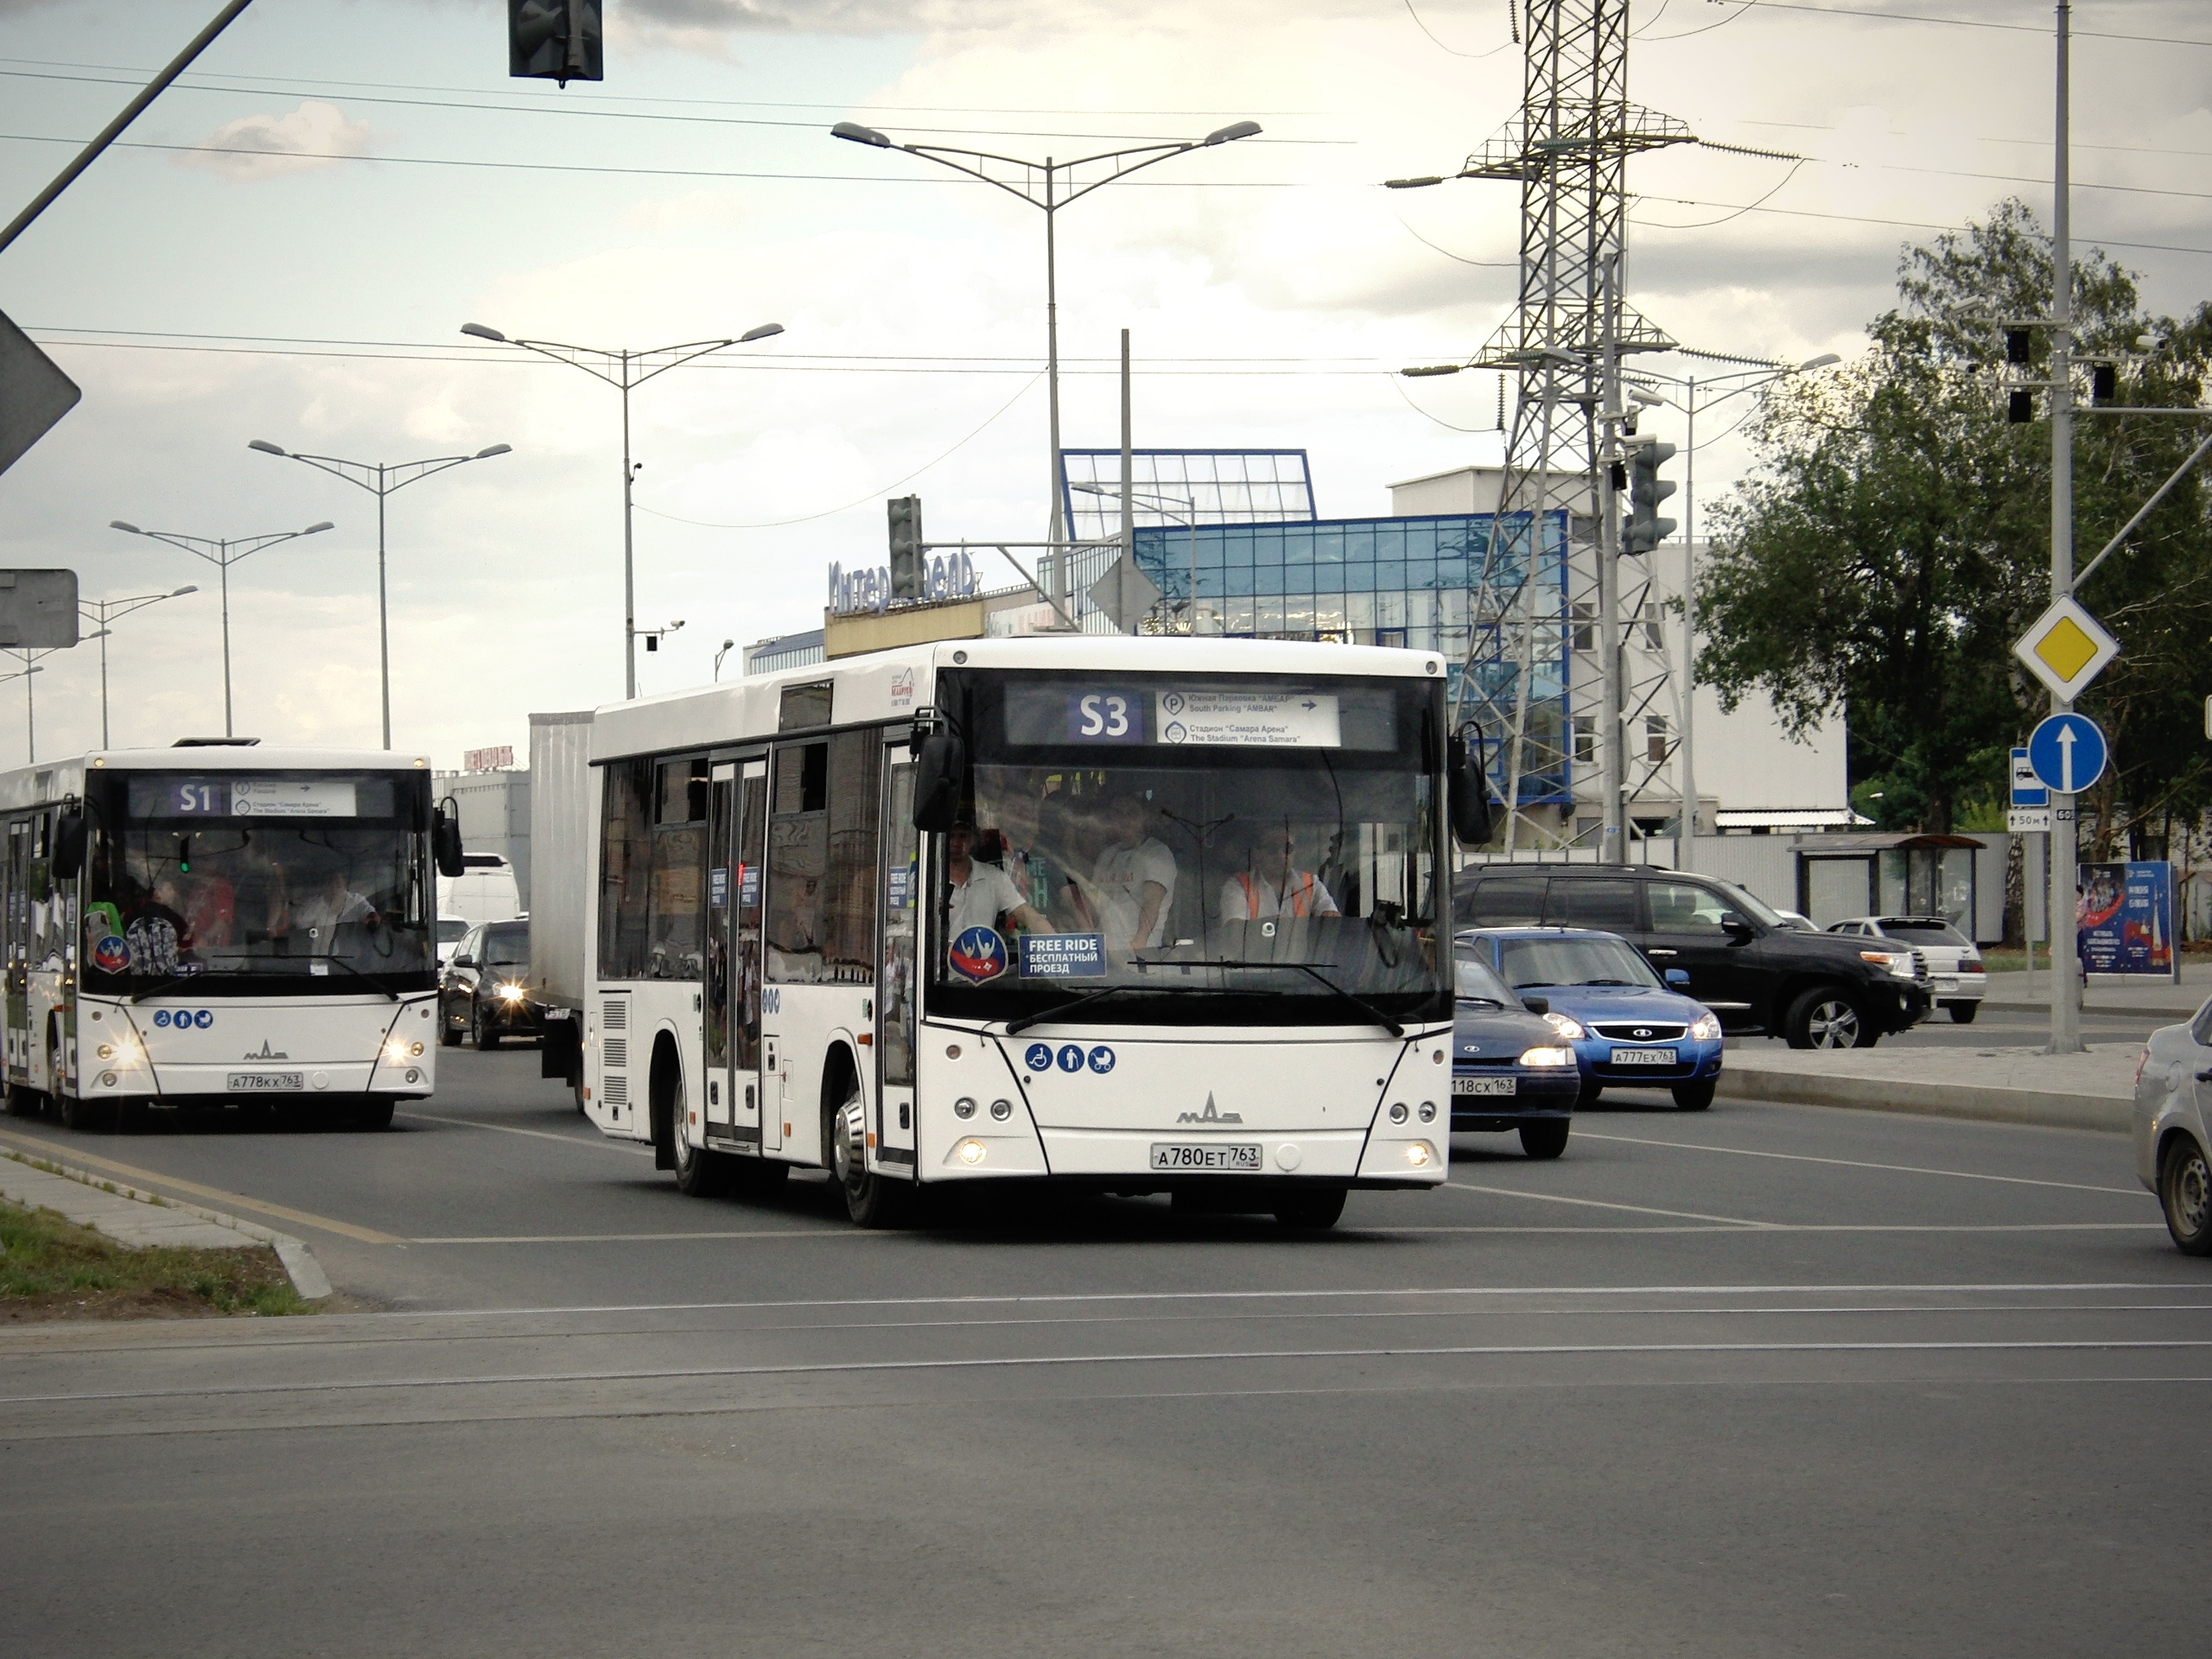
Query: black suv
x=1758, y=974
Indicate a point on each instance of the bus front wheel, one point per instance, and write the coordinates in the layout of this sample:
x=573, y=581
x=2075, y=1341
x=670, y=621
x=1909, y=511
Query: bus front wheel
x=870, y=1200
x=1315, y=1210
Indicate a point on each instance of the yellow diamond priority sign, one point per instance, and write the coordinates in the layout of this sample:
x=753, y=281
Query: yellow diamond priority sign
x=2066, y=649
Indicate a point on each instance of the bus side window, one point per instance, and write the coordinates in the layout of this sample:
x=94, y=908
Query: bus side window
x=673, y=916
x=798, y=832
x=856, y=782
x=625, y=855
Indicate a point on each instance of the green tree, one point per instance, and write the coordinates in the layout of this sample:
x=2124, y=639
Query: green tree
x=1894, y=540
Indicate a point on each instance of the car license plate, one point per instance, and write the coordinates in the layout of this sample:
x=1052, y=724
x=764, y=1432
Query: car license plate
x=1485, y=1085
x=1644, y=1056
x=265, y=1082
x=1176, y=1154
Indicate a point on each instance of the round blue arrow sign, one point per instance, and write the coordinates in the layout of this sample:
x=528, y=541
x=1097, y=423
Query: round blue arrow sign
x=2068, y=753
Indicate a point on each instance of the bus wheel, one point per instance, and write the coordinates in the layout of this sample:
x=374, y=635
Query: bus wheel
x=23, y=1102
x=87, y=1116
x=870, y=1200
x=698, y=1172
x=1316, y=1209
x=373, y=1115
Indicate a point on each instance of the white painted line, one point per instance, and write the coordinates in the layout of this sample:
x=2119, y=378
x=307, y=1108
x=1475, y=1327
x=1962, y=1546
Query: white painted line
x=600, y=1143
x=1597, y=1204
x=1855, y=1163
x=655, y=1238
x=688, y=1373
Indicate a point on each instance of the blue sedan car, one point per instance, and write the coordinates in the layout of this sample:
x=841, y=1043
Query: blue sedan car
x=1511, y=1070
x=1629, y=1027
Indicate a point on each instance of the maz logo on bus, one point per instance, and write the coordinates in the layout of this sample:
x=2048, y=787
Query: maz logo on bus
x=1106, y=717
x=183, y=1019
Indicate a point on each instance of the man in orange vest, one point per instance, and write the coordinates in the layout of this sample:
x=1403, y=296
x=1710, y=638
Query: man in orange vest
x=1274, y=885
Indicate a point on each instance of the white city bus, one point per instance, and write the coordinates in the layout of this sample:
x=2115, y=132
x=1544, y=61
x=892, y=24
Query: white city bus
x=1138, y=915
x=220, y=923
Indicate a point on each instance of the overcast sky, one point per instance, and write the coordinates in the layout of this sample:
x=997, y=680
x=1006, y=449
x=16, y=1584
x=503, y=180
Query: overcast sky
x=340, y=183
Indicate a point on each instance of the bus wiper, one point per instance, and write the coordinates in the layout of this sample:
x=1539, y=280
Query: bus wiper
x=1015, y=1028
x=357, y=974
x=1308, y=968
x=160, y=985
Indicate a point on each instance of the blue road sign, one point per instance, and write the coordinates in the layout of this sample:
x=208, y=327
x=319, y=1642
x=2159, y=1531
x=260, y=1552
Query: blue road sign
x=2026, y=792
x=2068, y=753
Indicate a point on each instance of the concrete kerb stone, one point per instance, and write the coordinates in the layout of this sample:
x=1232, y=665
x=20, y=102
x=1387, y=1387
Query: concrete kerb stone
x=2048, y=1109
x=108, y=1206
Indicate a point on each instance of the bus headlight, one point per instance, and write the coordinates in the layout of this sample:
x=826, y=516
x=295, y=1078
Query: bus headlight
x=1397, y=1111
x=970, y=1152
x=1421, y=1154
x=964, y=1108
x=1001, y=1109
x=1706, y=1029
x=1429, y=1111
x=395, y=1051
x=107, y=1051
x=1547, y=1056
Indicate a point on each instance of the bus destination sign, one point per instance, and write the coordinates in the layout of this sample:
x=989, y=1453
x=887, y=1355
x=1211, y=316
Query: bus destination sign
x=1256, y=719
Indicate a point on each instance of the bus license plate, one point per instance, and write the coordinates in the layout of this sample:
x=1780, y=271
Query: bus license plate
x=1644, y=1056
x=265, y=1082
x=1171, y=1154
x=1485, y=1085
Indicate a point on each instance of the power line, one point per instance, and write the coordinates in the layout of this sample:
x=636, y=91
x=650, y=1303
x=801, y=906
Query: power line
x=1968, y=23
x=1863, y=218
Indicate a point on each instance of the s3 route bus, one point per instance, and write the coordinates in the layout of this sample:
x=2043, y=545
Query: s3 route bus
x=220, y=923
x=1134, y=915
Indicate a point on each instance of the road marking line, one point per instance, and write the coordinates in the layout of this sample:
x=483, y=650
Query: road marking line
x=66, y=1152
x=595, y=1143
x=653, y=1238
x=1855, y=1163
x=1600, y=1204
x=1017, y=1362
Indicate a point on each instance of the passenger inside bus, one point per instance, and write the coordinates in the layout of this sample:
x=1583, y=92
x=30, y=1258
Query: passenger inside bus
x=1272, y=885
x=979, y=893
x=1134, y=878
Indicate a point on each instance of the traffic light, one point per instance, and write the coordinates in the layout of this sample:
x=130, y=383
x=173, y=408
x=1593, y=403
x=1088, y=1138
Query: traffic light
x=1645, y=529
x=555, y=40
x=907, y=577
x=2020, y=408
x=2104, y=383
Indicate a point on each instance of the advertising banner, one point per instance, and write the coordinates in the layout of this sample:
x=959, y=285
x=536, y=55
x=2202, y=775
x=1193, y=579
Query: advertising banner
x=2126, y=916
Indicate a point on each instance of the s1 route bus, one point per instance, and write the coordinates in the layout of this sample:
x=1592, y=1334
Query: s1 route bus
x=217, y=924
x=1136, y=915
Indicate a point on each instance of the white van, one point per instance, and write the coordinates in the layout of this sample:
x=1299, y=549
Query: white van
x=485, y=890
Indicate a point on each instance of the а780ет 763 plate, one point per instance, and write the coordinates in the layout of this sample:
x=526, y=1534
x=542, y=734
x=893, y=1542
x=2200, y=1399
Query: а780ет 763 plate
x=1235, y=1158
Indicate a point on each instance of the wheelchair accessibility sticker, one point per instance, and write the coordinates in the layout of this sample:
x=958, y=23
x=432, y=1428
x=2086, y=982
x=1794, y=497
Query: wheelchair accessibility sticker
x=1071, y=1058
x=185, y=1019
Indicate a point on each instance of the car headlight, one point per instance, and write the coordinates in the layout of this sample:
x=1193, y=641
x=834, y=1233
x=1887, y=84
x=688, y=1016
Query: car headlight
x=1571, y=1029
x=1706, y=1028
x=1548, y=1055
x=1895, y=961
x=512, y=993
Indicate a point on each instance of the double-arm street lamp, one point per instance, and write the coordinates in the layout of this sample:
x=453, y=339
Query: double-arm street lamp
x=381, y=479
x=1694, y=395
x=1050, y=186
x=105, y=611
x=623, y=370
x=222, y=554
x=29, y=659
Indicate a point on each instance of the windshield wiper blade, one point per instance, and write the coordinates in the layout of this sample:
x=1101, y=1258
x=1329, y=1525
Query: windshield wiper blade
x=357, y=974
x=1016, y=1027
x=1328, y=984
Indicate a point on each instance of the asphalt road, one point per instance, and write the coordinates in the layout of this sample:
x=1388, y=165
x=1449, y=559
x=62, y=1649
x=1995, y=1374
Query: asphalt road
x=1765, y=1380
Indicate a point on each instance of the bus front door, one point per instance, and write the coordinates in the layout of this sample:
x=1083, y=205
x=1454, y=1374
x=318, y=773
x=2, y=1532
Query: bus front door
x=898, y=958
x=744, y=846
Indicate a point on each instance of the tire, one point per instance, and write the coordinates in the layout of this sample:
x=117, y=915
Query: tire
x=1316, y=1211
x=87, y=1116
x=2185, y=1195
x=450, y=1034
x=698, y=1172
x=23, y=1102
x=486, y=1038
x=374, y=1113
x=1589, y=1096
x=1694, y=1096
x=1963, y=1013
x=1826, y=1017
x=1546, y=1138
x=870, y=1200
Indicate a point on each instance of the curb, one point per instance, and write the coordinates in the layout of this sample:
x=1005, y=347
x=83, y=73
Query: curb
x=2126, y=1011
x=306, y=1273
x=2105, y=1114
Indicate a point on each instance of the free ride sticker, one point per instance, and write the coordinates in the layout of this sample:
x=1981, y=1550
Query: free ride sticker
x=1063, y=956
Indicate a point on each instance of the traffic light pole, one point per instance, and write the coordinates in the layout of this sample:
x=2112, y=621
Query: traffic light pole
x=2066, y=973
x=1611, y=740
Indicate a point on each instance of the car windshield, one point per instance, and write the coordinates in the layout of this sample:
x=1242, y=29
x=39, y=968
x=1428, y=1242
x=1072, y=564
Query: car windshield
x=505, y=947
x=452, y=929
x=1474, y=981
x=1574, y=960
x=1925, y=930
x=1178, y=840
x=304, y=876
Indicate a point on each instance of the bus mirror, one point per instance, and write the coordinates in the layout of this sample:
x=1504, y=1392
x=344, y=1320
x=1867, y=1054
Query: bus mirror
x=69, y=845
x=445, y=843
x=939, y=776
x=1469, y=789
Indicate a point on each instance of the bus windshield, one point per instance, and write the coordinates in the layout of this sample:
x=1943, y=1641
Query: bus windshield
x=1179, y=842
x=299, y=877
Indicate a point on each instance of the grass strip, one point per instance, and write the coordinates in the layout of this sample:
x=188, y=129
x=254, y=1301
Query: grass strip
x=52, y=1267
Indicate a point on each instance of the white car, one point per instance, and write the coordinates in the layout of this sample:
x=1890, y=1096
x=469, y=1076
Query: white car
x=1957, y=981
x=2173, y=1089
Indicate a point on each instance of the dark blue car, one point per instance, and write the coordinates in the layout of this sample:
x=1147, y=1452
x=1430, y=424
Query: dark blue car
x=1511, y=1070
x=1627, y=1026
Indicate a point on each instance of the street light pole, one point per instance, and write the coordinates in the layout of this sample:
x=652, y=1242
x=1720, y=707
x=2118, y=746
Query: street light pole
x=222, y=554
x=2065, y=976
x=381, y=479
x=105, y=611
x=30, y=660
x=623, y=370
x=1051, y=195
x=1164, y=504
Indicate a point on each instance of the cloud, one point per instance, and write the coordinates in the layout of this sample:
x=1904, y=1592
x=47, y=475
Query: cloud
x=299, y=141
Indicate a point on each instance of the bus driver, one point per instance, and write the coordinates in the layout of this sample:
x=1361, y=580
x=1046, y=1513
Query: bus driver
x=1274, y=885
x=979, y=893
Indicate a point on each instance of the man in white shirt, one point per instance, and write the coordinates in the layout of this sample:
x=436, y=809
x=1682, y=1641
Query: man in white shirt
x=1274, y=885
x=980, y=894
x=1135, y=876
